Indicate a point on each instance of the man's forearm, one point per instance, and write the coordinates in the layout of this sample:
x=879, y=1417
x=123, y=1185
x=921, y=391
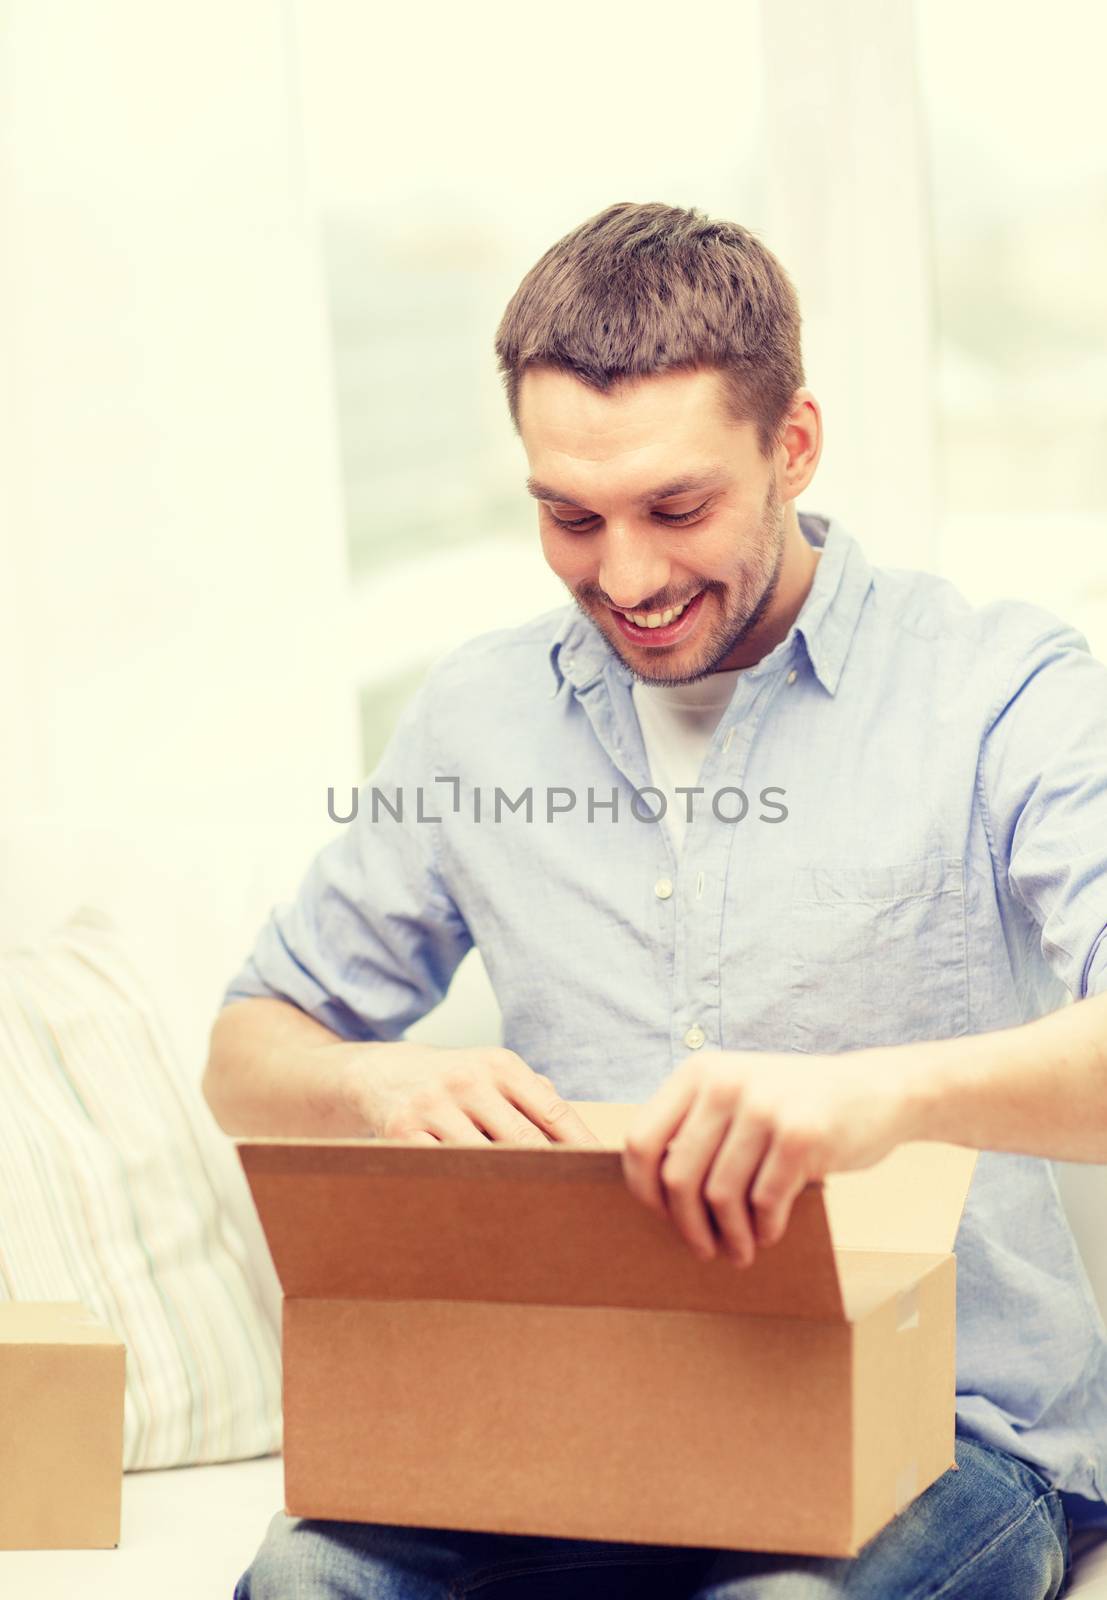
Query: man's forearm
x=273, y=1070
x=1040, y=1088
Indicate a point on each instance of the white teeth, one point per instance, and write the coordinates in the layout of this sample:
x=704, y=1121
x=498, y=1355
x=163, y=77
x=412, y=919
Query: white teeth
x=656, y=619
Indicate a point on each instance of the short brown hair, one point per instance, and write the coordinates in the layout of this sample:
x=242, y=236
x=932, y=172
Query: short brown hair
x=640, y=289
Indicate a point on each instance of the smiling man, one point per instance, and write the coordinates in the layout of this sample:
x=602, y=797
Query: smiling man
x=800, y=855
x=742, y=569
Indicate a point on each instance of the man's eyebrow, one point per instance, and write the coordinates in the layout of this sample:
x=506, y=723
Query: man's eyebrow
x=663, y=491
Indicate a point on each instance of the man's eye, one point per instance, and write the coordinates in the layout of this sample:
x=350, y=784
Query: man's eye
x=578, y=522
x=583, y=524
x=677, y=517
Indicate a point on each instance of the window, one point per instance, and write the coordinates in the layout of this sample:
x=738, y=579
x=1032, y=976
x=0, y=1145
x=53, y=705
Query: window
x=1019, y=195
x=431, y=202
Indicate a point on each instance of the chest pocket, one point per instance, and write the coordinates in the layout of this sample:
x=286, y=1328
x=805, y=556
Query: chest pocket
x=877, y=954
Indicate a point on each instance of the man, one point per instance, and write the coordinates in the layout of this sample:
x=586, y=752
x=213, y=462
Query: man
x=881, y=868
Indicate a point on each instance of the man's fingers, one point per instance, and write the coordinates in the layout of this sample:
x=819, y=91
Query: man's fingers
x=451, y=1125
x=563, y=1124
x=538, y=1100
x=503, y=1122
x=648, y=1138
x=684, y=1167
x=727, y=1186
x=782, y=1175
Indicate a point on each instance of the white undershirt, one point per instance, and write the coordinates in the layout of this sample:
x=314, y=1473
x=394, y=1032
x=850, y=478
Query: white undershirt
x=677, y=723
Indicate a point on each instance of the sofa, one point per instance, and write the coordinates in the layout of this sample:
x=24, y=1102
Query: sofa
x=189, y=897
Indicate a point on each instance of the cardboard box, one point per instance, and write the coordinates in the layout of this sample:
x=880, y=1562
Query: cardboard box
x=505, y=1339
x=61, y=1428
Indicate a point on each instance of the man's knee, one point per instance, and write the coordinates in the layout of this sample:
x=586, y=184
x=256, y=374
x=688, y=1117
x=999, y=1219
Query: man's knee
x=304, y=1560
x=991, y=1528
x=290, y=1565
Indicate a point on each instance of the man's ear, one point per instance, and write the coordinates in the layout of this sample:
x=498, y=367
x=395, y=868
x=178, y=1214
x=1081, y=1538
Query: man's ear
x=801, y=444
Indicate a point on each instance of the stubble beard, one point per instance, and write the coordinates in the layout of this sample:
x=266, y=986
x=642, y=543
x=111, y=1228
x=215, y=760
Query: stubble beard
x=751, y=596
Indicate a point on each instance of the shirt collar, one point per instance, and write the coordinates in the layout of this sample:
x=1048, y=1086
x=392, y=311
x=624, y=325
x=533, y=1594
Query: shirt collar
x=829, y=616
x=826, y=623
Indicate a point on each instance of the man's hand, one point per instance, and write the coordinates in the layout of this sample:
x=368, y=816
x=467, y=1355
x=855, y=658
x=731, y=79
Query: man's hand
x=728, y=1142
x=429, y=1095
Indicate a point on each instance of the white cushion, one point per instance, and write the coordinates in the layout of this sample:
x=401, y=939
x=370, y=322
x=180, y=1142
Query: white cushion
x=188, y=898
x=111, y=1197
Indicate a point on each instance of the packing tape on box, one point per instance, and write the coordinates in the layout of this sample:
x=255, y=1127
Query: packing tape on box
x=907, y=1485
x=907, y=1310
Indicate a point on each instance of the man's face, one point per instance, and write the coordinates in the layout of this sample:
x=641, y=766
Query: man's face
x=651, y=500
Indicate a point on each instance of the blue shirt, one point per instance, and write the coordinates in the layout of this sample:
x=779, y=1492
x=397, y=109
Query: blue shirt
x=922, y=853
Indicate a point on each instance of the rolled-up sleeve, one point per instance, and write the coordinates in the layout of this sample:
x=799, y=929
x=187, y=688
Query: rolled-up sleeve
x=1097, y=967
x=373, y=937
x=1043, y=775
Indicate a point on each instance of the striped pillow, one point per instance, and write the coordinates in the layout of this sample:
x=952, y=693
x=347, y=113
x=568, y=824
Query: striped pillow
x=108, y=1196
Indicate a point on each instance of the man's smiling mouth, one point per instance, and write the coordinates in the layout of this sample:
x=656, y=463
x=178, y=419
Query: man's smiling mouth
x=655, y=619
x=654, y=628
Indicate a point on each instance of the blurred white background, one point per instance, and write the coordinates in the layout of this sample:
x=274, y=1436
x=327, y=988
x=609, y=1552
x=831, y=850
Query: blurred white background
x=256, y=467
x=256, y=471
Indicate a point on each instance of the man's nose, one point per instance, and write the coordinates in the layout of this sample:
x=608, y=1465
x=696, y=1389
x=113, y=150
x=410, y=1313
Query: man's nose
x=631, y=569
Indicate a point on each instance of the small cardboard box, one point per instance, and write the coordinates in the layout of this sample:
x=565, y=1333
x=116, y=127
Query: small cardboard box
x=504, y=1339
x=61, y=1428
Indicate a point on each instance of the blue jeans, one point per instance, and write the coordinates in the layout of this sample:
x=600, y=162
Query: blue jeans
x=994, y=1530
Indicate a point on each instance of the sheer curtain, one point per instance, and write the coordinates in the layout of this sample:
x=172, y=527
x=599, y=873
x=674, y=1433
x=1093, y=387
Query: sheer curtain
x=171, y=518
x=1019, y=194
x=849, y=216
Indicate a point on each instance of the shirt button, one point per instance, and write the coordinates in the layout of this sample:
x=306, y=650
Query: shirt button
x=663, y=888
x=694, y=1037
x=793, y=675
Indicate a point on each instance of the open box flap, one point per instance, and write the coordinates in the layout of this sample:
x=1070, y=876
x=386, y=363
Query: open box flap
x=912, y=1200
x=909, y=1202
x=352, y=1218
